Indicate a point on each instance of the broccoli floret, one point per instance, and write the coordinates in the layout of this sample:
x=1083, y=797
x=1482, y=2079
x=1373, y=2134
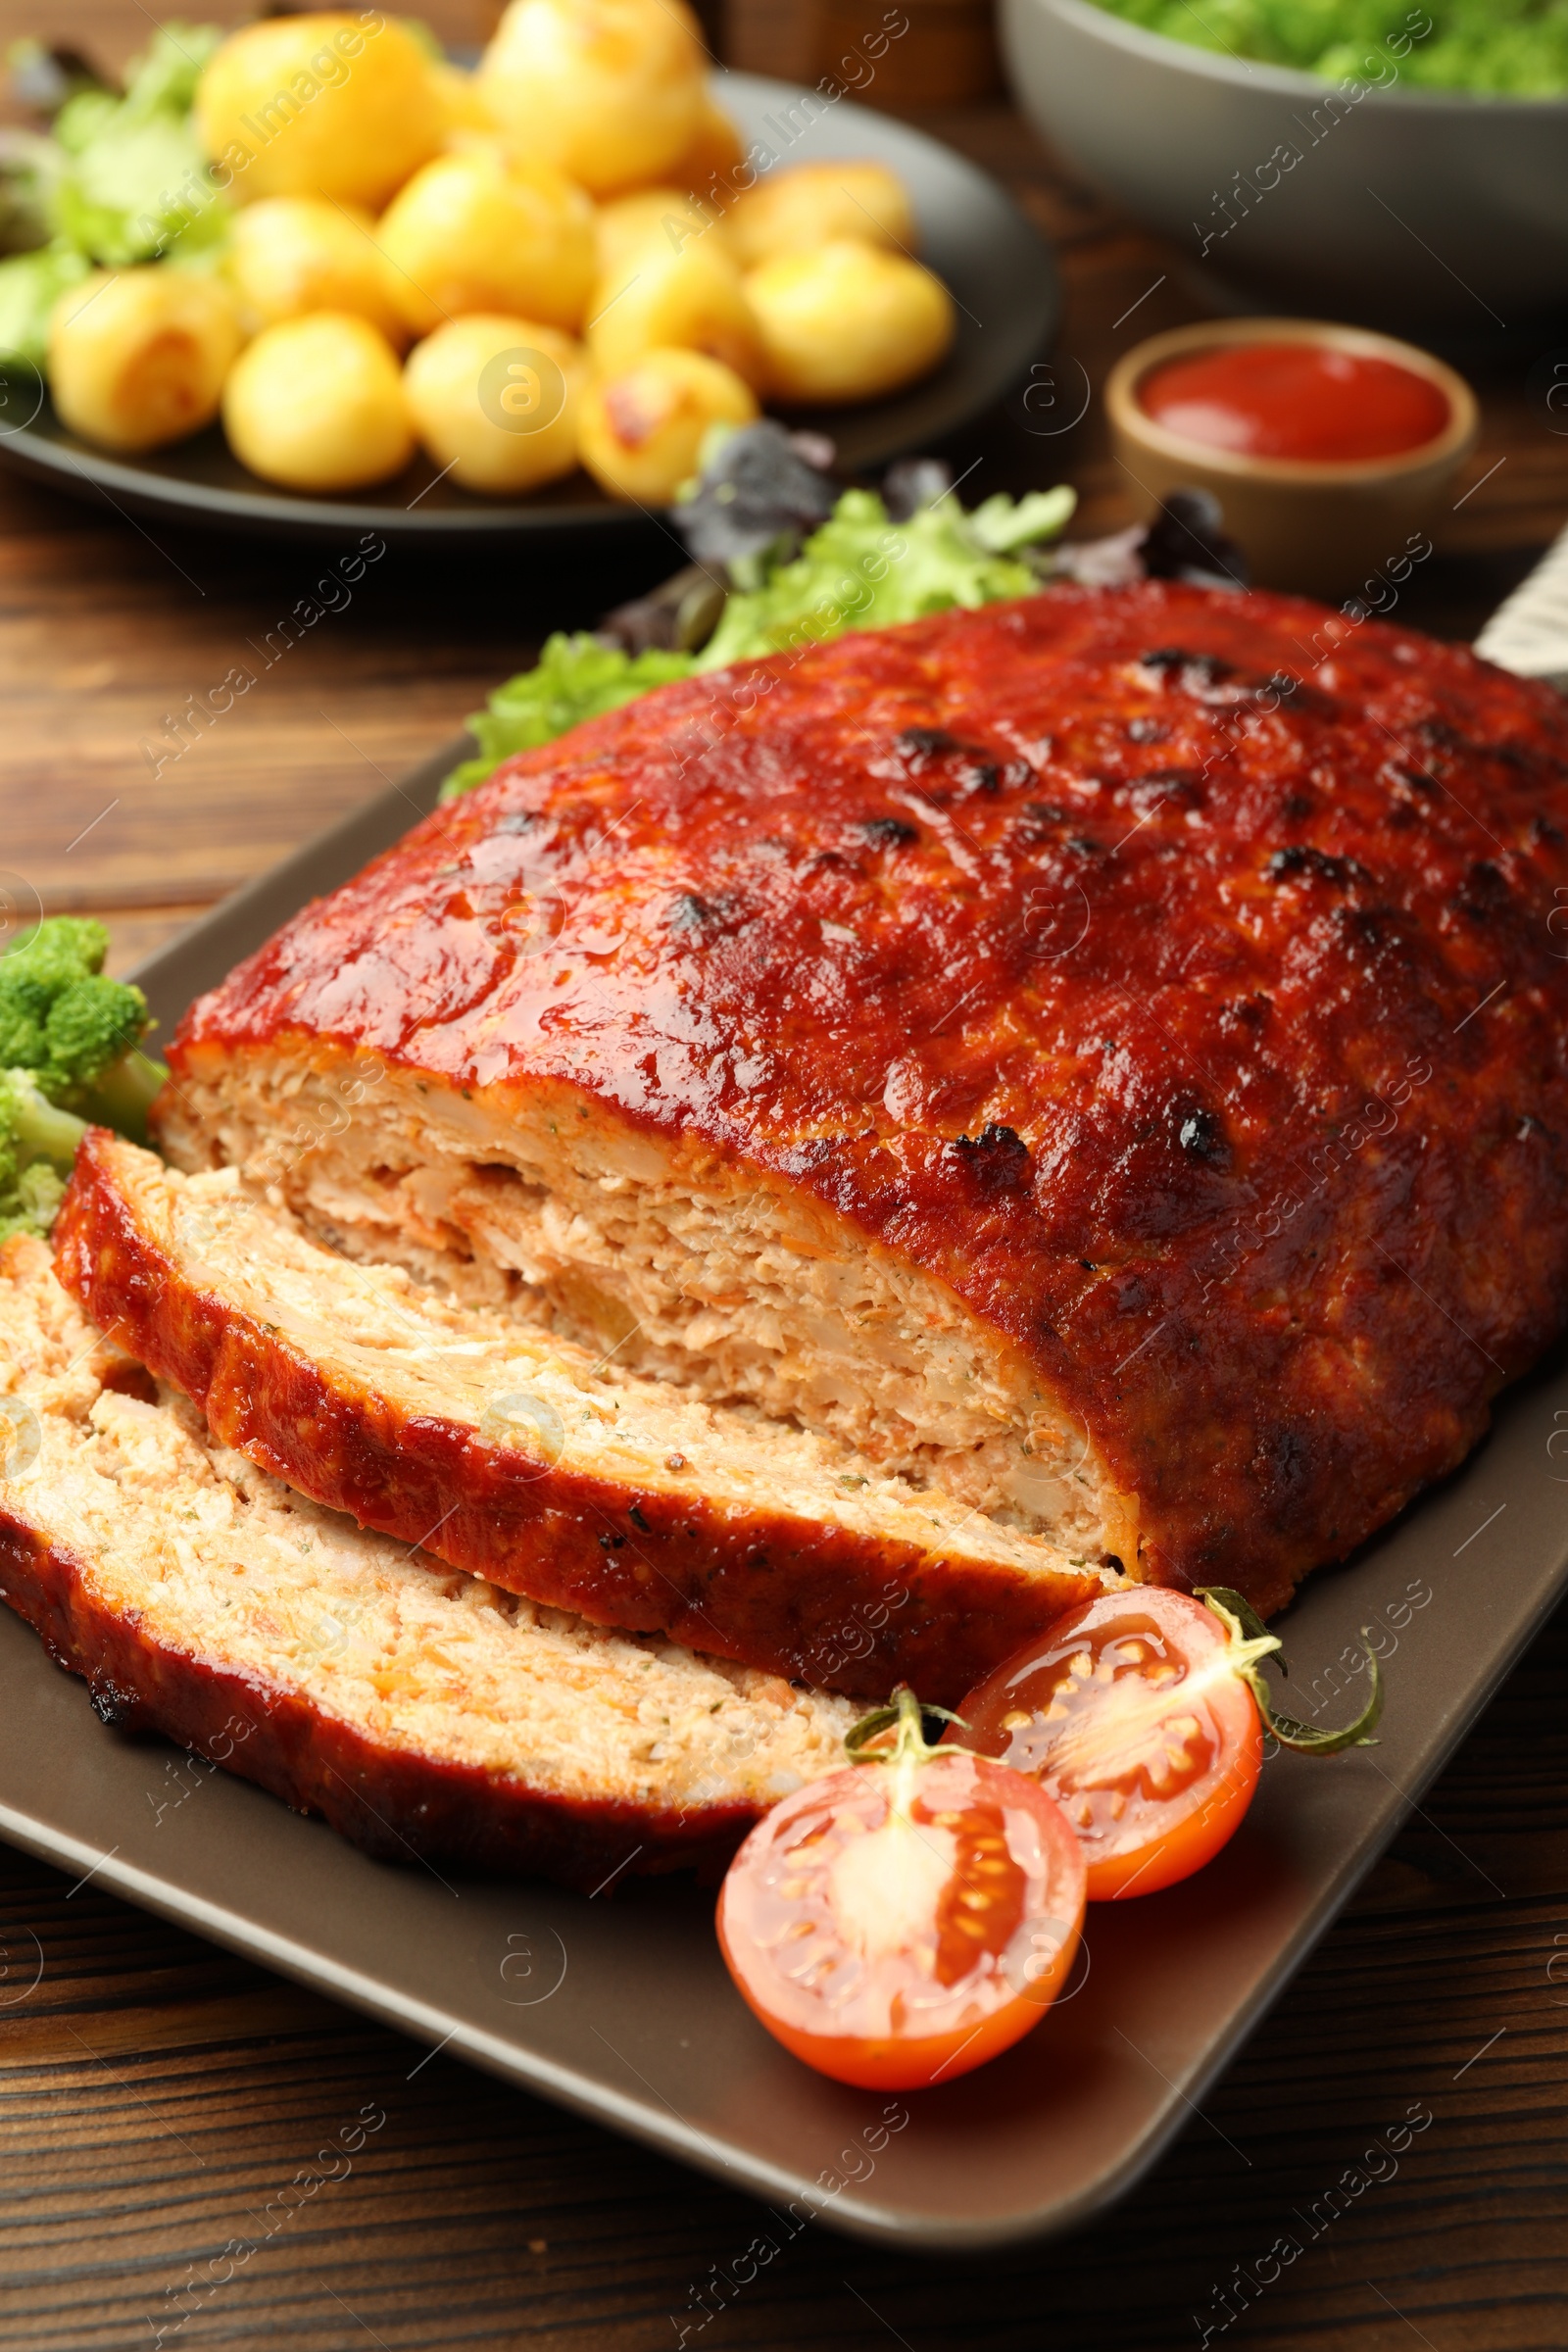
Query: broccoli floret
x=37, y=1144
x=92, y=1023
x=63, y=948
x=24, y=1011
x=33, y=1204
x=59, y=1016
x=68, y=1045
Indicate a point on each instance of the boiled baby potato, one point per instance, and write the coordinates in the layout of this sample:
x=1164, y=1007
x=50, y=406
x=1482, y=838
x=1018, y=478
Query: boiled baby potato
x=815, y=204
x=495, y=401
x=339, y=104
x=292, y=254
x=466, y=116
x=714, y=155
x=848, y=322
x=478, y=232
x=691, y=300
x=318, y=404
x=139, y=358
x=611, y=91
x=665, y=218
x=639, y=431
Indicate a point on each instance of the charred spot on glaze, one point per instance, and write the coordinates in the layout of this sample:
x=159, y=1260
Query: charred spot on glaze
x=113, y=1706
x=1485, y=890
x=523, y=821
x=887, y=832
x=997, y=1157
x=1175, y=664
x=1405, y=780
x=689, y=913
x=1317, y=864
x=978, y=775
x=1201, y=1136
x=1147, y=792
x=916, y=744
x=638, y=1521
x=1286, y=1457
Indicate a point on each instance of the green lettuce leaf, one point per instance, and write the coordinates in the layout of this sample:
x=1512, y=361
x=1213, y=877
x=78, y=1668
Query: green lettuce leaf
x=861, y=571
x=134, y=182
x=577, y=677
x=31, y=285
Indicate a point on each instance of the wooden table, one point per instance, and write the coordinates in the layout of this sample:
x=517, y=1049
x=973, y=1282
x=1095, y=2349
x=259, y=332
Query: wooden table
x=155, y=2093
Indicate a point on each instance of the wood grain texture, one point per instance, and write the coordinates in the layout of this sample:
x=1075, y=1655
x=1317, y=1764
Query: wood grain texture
x=157, y=2095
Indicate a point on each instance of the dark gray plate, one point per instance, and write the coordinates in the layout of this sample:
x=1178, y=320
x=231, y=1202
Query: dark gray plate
x=621, y=2008
x=1003, y=277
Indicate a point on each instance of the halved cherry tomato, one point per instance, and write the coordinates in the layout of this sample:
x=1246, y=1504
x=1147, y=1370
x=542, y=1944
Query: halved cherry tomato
x=1142, y=1714
x=902, y=1921
x=1135, y=1712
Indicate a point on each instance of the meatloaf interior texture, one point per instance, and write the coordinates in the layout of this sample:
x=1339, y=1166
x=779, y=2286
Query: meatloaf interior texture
x=1101, y=1055
x=518, y=1455
x=418, y=1709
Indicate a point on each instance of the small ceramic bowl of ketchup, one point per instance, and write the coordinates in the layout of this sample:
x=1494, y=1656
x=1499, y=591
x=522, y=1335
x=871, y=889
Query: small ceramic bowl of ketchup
x=1330, y=449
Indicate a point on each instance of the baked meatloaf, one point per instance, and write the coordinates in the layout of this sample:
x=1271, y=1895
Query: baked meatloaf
x=511, y=1453
x=421, y=1712
x=1103, y=1055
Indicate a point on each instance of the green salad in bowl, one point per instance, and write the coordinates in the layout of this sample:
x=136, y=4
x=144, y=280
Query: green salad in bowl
x=1509, y=48
x=1396, y=164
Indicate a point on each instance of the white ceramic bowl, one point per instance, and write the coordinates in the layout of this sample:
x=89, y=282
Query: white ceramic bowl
x=1436, y=214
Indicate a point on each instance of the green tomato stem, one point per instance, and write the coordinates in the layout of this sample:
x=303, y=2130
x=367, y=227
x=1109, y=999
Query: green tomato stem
x=1250, y=1642
x=865, y=1742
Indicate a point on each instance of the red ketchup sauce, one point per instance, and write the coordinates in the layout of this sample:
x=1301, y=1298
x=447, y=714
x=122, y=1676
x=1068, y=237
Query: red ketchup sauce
x=1295, y=400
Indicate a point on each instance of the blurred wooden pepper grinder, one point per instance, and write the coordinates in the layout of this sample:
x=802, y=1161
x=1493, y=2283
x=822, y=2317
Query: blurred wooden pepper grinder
x=884, y=52
x=936, y=52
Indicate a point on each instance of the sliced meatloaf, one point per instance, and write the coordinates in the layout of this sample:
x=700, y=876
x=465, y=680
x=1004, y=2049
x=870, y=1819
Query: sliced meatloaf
x=1117, y=1033
x=420, y=1711
x=517, y=1455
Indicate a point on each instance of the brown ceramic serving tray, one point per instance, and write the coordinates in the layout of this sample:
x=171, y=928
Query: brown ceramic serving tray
x=620, y=2007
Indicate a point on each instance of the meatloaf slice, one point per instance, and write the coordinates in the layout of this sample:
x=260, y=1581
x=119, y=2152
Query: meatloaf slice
x=520, y=1457
x=1118, y=1033
x=420, y=1711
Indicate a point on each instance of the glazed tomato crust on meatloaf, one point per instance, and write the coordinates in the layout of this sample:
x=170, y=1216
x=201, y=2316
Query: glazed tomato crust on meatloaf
x=763, y=1583
x=393, y=1804
x=1182, y=996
